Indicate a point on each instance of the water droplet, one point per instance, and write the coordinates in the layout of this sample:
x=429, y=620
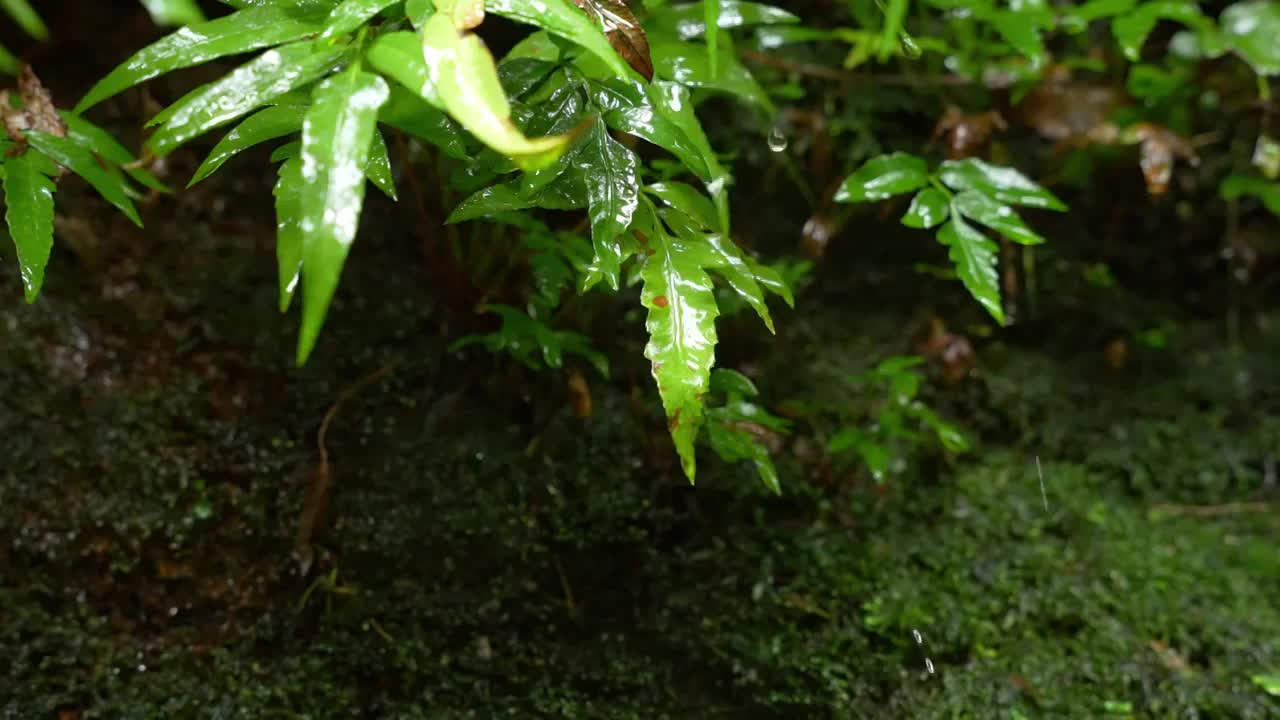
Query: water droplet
x=918, y=637
x=777, y=139
x=928, y=665
x=909, y=47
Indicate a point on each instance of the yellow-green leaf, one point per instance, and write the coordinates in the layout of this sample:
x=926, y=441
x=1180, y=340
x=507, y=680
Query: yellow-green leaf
x=466, y=78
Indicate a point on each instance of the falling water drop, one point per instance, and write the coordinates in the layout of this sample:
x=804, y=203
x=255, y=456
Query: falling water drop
x=777, y=139
x=919, y=638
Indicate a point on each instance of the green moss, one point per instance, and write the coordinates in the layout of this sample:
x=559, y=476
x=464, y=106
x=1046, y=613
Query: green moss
x=151, y=524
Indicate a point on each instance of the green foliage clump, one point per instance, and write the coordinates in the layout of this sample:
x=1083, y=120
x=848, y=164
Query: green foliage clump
x=596, y=110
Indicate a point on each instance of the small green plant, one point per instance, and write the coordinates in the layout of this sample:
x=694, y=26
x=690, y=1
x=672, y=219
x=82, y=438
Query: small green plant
x=952, y=197
x=537, y=130
x=596, y=110
x=898, y=421
x=41, y=142
x=739, y=430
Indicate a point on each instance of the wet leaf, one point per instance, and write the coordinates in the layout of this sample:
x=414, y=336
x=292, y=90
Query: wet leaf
x=1267, y=191
x=522, y=75
x=399, y=56
x=1020, y=32
x=872, y=453
x=730, y=382
x=690, y=21
x=493, y=200
x=244, y=89
x=110, y=184
x=772, y=280
x=628, y=108
x=98, y=141
x=287, y=151
x=1253, y=29
x=688, y=200
x=564, y=19
x=237, y=33
x=688, y=65
x=613, y=189
x=174, y=12
x=735, y=438
x=1270, y=683
x=1131, y=30
x=928, y=208
x=467, y=81
x=378, y=166
x=562, y=113
x=1004, y=184
x=349, y=15
x=28, y=198
x=974, y=256
x=336, y=136
x=410, y=113
x=883, y=177
x=681, y=302
x=623, y=31
x=995, y=215
x=672, y=101
x=419, y=11
x=1098, y=9
x=266, y=124
x=288, y=194
x=727, y=261
x=521, y=335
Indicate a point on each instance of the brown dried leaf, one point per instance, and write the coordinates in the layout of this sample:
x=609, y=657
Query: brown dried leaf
x=579, y=394
x=623, y=31
x=1065, y=110
x=1157, y=150
x=951, y=351
x=37, y=113
x=966, y=134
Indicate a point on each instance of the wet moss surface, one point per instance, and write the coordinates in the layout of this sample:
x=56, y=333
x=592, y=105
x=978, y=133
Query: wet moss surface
x=486, y=554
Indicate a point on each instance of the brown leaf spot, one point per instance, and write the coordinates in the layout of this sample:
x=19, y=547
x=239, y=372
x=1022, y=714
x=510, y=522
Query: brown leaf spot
x=660, y=301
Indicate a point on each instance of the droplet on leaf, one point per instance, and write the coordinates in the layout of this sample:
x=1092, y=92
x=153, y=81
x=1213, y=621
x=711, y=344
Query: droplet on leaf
x=777, y=139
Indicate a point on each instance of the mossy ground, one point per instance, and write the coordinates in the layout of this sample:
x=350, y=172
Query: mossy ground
x=157, y=446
